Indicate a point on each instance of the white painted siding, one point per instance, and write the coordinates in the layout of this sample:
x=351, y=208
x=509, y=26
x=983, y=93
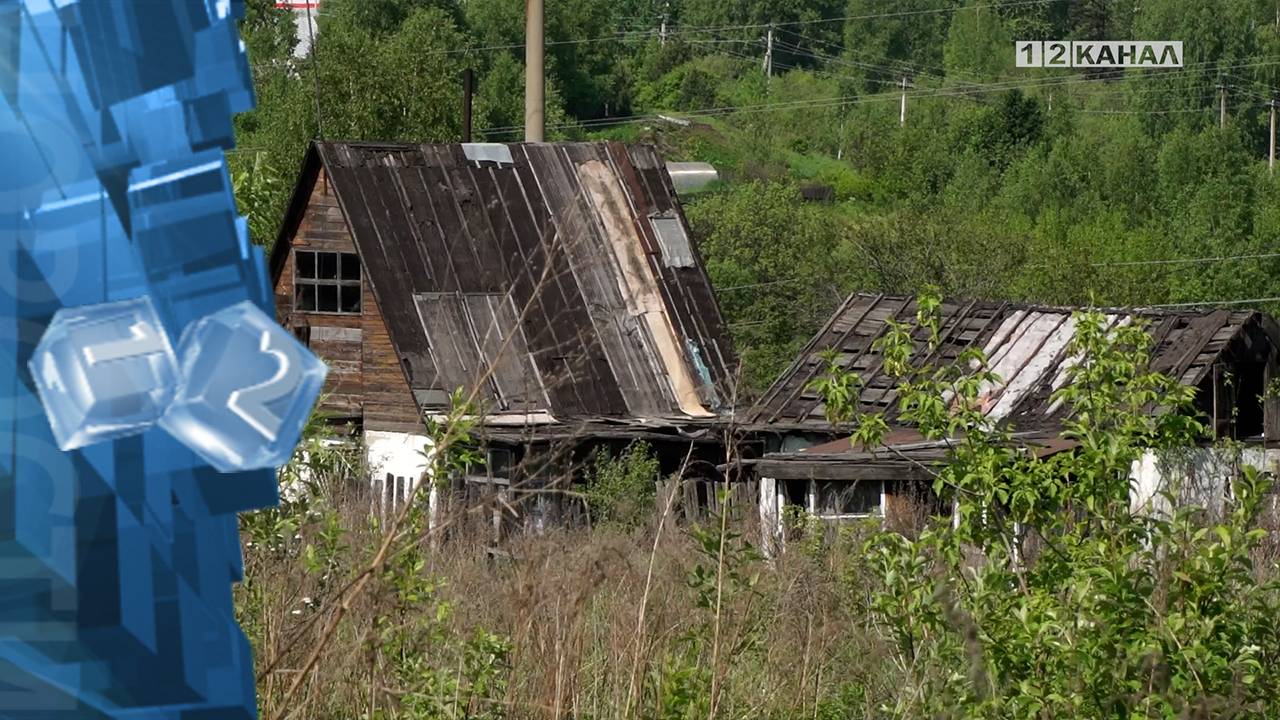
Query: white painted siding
x=1195, y=476
x=396, y=465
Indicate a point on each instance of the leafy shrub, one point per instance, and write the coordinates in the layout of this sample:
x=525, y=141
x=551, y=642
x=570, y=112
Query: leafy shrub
x=1054, y=593
x=621, y=491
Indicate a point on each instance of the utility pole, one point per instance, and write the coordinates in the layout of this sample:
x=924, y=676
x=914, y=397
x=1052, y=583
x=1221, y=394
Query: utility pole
x=902, y=111
x=662, y=32
x=315, y=75
x=468, y=89
x=1222, y=104
x=1271, y=157
x=768, y=53
x=534, y=99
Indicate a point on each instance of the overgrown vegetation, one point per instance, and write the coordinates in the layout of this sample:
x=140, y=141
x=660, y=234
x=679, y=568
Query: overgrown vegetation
x=621, y=490
x=1048, y=593
x=1049, y=186
x=1085, y=603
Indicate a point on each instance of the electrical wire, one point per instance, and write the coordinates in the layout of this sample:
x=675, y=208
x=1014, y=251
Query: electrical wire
x=1208, y=303
x=885, y=97
x=675, y=32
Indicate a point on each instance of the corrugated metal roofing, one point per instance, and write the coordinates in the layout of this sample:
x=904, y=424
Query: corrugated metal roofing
x=540, y=265
x=1026, y=346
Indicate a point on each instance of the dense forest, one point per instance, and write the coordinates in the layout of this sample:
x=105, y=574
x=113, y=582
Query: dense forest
x=1060, y=186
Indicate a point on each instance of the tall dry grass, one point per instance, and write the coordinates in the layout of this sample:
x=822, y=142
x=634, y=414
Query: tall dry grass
x=606, y=623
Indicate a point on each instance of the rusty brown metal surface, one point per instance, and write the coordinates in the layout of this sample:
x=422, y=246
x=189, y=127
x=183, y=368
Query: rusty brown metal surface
x=540, y=280
x=1026, y=345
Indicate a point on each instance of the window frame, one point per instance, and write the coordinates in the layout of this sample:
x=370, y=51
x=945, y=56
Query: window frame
x=338, y=282
x=813, y=495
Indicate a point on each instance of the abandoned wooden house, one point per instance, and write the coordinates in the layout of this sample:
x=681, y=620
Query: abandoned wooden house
x=1231, y=357
x=555, y=284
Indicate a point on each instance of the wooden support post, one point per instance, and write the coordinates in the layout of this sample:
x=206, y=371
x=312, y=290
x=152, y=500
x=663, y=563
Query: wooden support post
x=468, y=89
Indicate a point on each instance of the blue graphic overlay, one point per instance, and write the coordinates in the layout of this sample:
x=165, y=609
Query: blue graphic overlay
x=119, y=233
x=104, y=371
x=251, y=417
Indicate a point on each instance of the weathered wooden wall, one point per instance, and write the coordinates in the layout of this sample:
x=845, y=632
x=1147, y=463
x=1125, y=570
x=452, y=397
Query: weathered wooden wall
x=388, y=401
x=365, y=378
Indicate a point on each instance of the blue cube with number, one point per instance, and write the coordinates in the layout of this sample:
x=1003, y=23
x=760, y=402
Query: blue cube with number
x=104, y=371
x=247, y=390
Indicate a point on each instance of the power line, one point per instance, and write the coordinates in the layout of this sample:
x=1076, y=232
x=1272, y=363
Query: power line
x=1207, y=303
x=860, y=99
x=1187, y=261
x=784, y=281
x=872, y=16
x=623, y=36
x=1123, y=263
x=914, y=70
x=1141, y=112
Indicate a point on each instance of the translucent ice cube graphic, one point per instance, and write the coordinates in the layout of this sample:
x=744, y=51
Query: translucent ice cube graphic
x=104, y=372
x=247, y=389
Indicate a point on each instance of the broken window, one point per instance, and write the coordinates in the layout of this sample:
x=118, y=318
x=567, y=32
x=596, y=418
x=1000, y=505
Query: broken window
x=327, y=282
x=844, y=498
x=499, y=463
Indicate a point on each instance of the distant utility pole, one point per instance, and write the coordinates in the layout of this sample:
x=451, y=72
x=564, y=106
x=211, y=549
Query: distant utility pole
x=468, y=89
x=768, y=53
x=534, y=98
x=1271, y=157
x=1222, y=104
x=902, y=111
x=315, y=75
x=662, y=32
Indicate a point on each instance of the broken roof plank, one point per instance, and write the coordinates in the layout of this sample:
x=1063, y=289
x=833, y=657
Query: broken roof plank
x=1030, y=344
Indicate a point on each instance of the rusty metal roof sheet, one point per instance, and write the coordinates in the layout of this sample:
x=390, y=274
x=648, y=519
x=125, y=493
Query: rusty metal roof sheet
x=1026, y=345
x=552, y=274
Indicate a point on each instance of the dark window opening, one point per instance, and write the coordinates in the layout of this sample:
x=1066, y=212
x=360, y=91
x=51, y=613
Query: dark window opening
x=327, y=266
x=350, y=267
x=327, y=298
x=499, y=463
x=305, y=298
x=1249, y=387
x=793, y=492
x=306, y=264
x=860, y=497
x=350, y=299
x=327, y=282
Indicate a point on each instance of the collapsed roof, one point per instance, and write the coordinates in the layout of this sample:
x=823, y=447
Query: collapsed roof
x=1026, y=346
